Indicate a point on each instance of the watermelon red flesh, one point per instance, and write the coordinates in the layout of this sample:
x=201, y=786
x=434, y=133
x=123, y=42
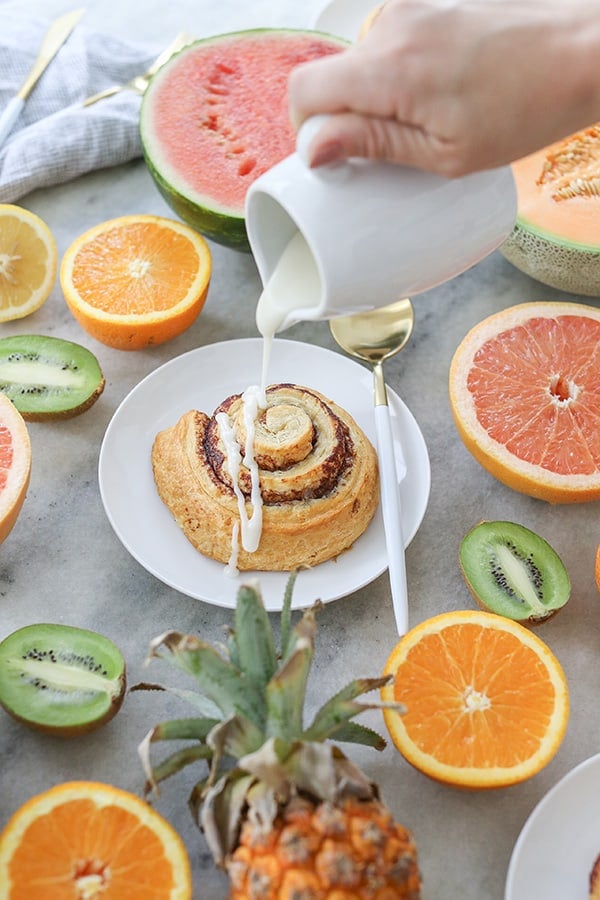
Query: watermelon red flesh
x=216, y=116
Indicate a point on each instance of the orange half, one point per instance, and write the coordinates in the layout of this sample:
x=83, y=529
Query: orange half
x=137, y=280
x=525, y=396
x=85, y=839
x=486, y=700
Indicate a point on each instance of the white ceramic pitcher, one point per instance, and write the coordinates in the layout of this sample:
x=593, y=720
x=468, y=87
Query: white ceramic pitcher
x=376, y=231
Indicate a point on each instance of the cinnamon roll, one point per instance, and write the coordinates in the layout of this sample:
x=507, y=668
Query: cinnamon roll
x=304, y=469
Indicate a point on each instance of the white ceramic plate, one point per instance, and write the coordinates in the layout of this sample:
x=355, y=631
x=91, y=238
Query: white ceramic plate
x=202, y=379
x=344, y=17
x=556, y=849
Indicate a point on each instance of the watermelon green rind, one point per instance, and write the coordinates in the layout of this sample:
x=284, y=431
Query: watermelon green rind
x=222, y=227
x=216, y=221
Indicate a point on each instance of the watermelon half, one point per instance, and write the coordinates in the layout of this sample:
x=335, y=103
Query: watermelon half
x=215, y=117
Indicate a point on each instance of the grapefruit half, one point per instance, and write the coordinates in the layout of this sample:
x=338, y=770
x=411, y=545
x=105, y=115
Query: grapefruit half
x=525, y=396
x=15, y=464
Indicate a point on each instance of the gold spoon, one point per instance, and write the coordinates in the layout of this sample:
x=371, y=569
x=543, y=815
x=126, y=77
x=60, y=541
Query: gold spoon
x=139, y=83
x=373, y=337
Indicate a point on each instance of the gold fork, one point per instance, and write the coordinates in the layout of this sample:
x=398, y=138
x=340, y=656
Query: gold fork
x=139, y=83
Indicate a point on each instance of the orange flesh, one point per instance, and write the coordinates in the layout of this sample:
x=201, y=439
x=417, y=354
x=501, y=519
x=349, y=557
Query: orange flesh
x=225, y=103
x=576, y=219
x=536, y=390
x=135, y=269
x=479, y=697
x=79, y=839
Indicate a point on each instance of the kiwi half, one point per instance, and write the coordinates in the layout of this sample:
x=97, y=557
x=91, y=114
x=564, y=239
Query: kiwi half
x=47, y=377
x=61, y=679
x=514, y=572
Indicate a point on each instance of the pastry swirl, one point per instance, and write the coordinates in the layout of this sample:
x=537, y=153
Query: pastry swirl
x=317, y=474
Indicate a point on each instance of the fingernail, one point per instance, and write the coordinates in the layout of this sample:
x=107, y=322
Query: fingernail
x=329, y=152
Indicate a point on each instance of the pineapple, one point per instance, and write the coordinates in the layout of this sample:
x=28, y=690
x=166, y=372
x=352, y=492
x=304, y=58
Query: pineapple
x=283, y=810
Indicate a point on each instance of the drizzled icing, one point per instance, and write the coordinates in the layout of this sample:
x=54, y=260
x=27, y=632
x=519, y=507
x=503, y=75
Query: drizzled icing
x=249, y=529
x=294, y=285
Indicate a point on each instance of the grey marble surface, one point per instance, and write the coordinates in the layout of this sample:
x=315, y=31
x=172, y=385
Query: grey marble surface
x=63, y=562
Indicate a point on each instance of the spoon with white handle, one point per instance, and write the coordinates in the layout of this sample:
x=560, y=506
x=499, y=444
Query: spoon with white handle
x=374, y=336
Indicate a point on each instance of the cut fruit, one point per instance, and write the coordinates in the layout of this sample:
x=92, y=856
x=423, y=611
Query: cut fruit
x=215, y=117
x=48, y=378
x=514, y=572
x=15, y=465
x=486, y=700
x=137, y=280
x=84, y=839
x=556, y=239
x=28, y=260
x=284, y=811
x=61, y=679
x=525, y=396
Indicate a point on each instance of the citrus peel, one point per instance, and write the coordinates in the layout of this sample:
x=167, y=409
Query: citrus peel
x=486, y=700
x=28, y=262
x=525, y=396
x=137, y=280
x=83, y=837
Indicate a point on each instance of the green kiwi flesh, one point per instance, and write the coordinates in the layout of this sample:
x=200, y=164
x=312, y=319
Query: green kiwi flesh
x=514, y=572
x=47, y=377
x=61, y=679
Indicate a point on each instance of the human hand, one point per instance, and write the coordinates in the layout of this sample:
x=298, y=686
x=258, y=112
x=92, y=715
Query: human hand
x=456, y=86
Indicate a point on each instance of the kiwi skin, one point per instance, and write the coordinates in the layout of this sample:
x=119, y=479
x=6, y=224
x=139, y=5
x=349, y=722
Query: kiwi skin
x=536, y=583
x=65, y=704
x=66, y=413
x=71, y=731
x=31, y=367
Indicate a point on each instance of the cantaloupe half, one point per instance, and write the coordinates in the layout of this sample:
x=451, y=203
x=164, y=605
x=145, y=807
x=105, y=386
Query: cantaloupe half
x=556, y=239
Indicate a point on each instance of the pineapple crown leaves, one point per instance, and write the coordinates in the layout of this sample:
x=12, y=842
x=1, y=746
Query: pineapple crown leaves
x=305, y=767
x=274, y=775
x=250, y=696
x=219, y=680
x=222, y=809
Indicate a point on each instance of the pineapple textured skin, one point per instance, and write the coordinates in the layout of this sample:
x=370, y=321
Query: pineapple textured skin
x=282, y=808
x=351, y=851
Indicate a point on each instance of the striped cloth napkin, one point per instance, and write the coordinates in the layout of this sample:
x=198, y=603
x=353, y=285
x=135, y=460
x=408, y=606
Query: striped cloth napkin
x=56, y=138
